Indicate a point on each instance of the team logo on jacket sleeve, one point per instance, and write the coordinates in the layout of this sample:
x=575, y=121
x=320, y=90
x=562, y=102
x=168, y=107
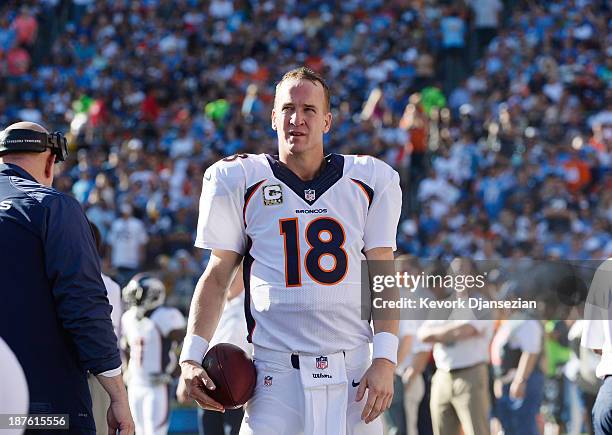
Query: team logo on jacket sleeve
x=268, y=381
x=272, y=194
x=321, y=362
x=310, y=195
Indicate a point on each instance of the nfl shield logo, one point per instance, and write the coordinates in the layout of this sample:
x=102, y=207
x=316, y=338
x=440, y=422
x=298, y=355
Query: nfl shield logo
x=268, y=381
x=322, y=362
x=310, y=195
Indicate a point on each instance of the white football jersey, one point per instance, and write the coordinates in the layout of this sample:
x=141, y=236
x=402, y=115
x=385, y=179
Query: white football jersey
x=151, y=352
x=303, y=243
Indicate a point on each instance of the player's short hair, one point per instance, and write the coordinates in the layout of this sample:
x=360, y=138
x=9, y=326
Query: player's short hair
x=305, y=73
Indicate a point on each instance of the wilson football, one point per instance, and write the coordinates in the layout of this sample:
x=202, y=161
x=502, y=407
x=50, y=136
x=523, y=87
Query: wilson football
x=232, y=372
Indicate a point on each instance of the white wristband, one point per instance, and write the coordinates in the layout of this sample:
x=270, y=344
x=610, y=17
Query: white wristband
x=385, y=346
x=194, y=349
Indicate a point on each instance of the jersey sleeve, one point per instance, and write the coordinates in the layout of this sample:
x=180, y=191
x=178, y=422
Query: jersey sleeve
x=168, y=320
x=220, y=222
x=384, y=213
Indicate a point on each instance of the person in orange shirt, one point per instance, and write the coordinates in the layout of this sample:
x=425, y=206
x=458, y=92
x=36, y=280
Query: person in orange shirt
x=415, y=121
x=577, y=173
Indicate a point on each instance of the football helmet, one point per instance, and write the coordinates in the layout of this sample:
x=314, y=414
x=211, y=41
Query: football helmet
x=145, y=292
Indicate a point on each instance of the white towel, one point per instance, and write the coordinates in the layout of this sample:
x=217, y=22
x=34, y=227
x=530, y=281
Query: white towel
x=325, y=394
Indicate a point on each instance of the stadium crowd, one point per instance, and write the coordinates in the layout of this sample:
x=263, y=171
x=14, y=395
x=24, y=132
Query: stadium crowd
x=497, y=116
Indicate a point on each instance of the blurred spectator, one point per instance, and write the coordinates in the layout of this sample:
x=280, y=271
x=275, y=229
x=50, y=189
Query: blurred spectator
x=415, y=122
x=26, y=27
x=516, y=350
x=557, y=355
x=486, y=22
x=127, y=239
x=460, y=386
x=453, y=29
x=184, y=273
x=17, y=62
x=582, y=384
x=30, y=112
x=82, y=188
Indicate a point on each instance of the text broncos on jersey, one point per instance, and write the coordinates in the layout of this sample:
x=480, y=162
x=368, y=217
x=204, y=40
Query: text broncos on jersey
x=315, y=211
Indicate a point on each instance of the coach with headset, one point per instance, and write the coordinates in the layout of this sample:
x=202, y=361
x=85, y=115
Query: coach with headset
x=54, y=313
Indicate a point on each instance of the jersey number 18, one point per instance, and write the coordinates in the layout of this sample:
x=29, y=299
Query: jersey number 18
x=325, y=236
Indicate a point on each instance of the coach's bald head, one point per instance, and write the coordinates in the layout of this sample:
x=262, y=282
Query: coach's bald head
x=38, y=165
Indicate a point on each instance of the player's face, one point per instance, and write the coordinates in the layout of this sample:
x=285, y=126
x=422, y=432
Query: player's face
x=300, y=117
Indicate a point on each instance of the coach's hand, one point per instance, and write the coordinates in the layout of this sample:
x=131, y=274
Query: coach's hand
x=378, y=379
x=197, y=383
x=118, y=415
x=119, y=418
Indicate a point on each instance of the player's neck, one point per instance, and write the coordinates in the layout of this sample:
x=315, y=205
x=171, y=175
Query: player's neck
x=306, y=167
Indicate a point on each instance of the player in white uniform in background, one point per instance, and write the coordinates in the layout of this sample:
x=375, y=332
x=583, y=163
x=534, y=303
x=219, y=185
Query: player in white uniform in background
x=303, y=223
x=100, y=400
x=151, y=334
x=232, y=329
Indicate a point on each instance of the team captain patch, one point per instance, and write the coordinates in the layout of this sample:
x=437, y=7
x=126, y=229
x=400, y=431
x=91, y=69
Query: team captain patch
x=272, y=194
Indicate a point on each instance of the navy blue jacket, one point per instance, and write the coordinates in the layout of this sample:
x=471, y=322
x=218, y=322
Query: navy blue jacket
x=54, y=313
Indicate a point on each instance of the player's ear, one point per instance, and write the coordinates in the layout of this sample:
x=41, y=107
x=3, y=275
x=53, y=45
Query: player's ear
x=273, y=120
x=328, y=122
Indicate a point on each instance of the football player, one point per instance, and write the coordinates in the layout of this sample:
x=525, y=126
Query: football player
x=151, y=334
x=303, y=222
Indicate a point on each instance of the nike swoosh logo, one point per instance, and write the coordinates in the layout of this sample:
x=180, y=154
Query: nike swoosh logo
x=207, y=177
x=355, y=384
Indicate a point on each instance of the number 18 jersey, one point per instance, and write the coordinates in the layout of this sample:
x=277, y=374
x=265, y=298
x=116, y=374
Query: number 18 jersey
x=303, y=242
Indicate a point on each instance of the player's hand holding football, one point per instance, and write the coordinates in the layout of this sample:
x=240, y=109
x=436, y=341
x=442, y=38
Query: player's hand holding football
x=197, y=383
x=378, y=380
